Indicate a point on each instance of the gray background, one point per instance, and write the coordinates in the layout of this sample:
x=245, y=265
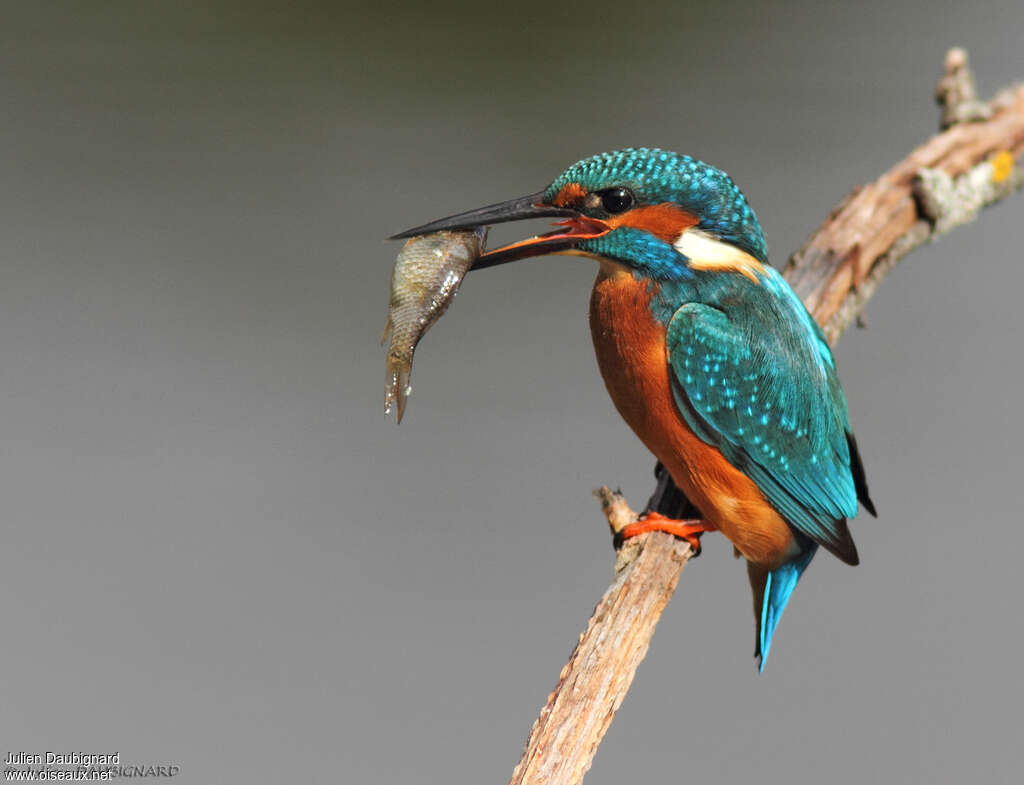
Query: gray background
x=217, y=552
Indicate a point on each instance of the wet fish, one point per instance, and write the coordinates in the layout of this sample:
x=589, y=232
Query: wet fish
x=426, y=276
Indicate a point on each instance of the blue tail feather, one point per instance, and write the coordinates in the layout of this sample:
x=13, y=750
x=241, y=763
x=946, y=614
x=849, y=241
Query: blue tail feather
x=778, y=588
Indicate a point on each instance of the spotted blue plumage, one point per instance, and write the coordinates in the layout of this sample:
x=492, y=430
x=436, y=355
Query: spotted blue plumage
x=759, y=386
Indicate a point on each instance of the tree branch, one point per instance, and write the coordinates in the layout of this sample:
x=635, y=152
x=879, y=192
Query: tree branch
x=942, y=184
x=594, y=682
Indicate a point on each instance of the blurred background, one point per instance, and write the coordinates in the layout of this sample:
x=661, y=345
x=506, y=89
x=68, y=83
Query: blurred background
x=218, y=553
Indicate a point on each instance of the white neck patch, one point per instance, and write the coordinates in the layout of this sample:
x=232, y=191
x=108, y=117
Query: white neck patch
x=706, y=252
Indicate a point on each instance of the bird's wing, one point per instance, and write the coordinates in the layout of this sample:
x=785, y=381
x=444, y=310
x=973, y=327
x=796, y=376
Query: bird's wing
x=768, y=397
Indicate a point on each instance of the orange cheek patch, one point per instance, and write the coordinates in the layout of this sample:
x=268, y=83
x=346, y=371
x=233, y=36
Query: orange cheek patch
x=570, y=195
x=665, y=221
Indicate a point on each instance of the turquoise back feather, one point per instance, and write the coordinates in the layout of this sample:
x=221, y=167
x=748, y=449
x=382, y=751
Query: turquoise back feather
x=755, y=378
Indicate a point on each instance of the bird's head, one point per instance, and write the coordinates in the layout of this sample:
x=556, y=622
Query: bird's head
x=657, y=212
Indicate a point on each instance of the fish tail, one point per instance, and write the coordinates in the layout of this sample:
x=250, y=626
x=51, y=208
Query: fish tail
x=398, y=387
x=772, y=590
x=403, y=392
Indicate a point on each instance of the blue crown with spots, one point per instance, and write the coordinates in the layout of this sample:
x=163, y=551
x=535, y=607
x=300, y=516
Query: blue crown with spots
x=657, y=176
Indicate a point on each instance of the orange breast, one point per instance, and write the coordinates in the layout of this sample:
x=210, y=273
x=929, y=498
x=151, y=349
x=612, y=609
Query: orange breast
x=633, y=358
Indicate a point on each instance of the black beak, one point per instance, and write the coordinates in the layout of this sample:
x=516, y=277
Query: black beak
x=578, y=227
x=513, y=210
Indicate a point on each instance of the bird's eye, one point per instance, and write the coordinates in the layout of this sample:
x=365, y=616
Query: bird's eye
x=617, y=200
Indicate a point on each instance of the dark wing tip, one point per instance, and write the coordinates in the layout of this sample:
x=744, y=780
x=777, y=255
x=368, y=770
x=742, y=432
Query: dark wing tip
x=860, y=481
x=869, y=505
x=842, y=545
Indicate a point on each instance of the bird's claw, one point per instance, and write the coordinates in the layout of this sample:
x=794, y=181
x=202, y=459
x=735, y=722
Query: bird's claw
x=689, y=530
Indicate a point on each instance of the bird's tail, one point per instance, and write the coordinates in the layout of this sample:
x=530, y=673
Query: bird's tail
x=772, y=590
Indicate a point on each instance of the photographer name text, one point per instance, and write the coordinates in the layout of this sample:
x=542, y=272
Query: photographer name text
x=23, y=758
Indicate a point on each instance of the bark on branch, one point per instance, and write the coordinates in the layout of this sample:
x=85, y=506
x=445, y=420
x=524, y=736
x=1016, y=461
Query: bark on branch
x=974, y=162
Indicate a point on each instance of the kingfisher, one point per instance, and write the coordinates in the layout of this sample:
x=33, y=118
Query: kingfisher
x=709, y=356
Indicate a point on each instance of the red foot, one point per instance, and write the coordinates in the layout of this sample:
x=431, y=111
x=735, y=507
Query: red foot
x=689, y=530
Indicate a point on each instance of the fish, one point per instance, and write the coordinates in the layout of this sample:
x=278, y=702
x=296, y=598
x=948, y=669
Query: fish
x=427, y=274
